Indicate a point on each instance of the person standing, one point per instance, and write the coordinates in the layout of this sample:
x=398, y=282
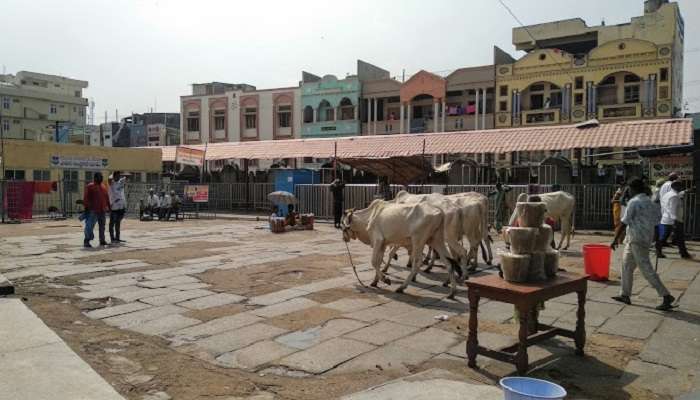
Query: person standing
x=639, y=220
x=337, y=187
x=117, y=205
x=617, y=207
x=96, y=203
x=666, y=187
x=174, y=205
x=672, y=221
x=500, y=204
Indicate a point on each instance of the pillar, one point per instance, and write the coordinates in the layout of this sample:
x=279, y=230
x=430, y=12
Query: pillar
x=483, y=111
x=476, y=113
x=409, y=117
x=374, y=115
x=444, y=115
x=369, y=116
x=401, y=119
x=436, y=118
x=315, y=117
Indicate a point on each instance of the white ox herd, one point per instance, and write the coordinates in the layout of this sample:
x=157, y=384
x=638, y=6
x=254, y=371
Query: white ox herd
x=441, y=222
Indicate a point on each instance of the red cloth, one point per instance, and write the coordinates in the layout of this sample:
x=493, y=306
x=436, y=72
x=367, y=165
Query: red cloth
x=96, y=198
x=19, y=200
x=43, y=187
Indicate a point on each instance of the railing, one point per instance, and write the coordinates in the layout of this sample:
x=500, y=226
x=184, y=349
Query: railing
x=593, y=202
x=541, y=117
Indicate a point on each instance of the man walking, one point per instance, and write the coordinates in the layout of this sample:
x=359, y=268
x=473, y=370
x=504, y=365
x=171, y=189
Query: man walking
x=337, y=187
x=672, y=221
x=500, y=204
x=640, y=217
x=117, y=204
x=96, y=203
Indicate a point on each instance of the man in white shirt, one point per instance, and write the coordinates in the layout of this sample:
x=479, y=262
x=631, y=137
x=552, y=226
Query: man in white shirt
x=666, y=187
x=117, y=203
x=640, y=218
x=165, y=205
x=672, y=221
x=153, y=203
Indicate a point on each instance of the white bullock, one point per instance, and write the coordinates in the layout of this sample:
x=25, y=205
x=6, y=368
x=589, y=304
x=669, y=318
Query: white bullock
x=560, y=207
x=412, y=226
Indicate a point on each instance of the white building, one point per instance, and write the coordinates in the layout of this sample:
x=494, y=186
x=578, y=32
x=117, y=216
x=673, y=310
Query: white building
x=32, y=104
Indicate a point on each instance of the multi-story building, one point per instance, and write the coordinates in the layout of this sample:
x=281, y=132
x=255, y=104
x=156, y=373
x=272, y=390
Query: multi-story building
x=330, y=106
x=42, y=107
x=573, y=72
x=220, y=112
x=426, y=102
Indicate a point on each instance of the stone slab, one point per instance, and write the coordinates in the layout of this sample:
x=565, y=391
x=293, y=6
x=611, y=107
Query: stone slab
x=326, y=355
x=380, y=312
x=215, y=326
x=277, y=297
x=176, y=297
x=421, y=318
x=215, y=300
x=350, y=305
x=140, y=293
x=431, y=340
x=256, y=355
x=310, y=337
x=382, y=332
x=190, y=286
x=37, y=365
x=285, y=307
x=632, y=322
x=433, y=384
x=659, y=379
x=139, y=317
x=675, y=344
x=389, y=357
x=108, y=292
x=237, y=339
x=165, y=324
x=107, y=312
x=176, y=280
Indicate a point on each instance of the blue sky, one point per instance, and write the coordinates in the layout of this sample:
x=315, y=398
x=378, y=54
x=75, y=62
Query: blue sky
x=142, y=54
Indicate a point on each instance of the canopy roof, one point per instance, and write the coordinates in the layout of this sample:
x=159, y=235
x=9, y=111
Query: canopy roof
x=644, y=133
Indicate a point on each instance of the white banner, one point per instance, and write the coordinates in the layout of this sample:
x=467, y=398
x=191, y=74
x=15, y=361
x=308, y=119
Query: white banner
x=78, y=162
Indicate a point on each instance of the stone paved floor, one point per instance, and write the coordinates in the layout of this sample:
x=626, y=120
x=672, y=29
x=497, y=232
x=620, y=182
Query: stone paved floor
x=360, y=331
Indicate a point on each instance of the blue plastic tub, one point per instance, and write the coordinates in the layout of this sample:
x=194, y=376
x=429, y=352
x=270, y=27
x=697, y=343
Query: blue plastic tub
x=517, y=388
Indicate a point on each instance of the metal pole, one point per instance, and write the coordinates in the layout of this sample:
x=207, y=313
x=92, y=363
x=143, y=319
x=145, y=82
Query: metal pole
x=335, y=160
x=2, y=178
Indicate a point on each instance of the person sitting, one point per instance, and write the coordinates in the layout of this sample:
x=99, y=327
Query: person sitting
x=152, y=204
x=174, y=205
x=291, y=219
x=165, y=205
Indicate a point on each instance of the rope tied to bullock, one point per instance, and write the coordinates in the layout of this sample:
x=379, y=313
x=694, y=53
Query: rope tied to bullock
x=354, y=268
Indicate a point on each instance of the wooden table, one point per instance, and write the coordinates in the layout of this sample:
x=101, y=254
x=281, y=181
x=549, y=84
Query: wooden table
x=524, y=296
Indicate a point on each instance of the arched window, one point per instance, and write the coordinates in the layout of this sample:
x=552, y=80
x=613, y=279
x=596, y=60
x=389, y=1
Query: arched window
x=347, y=110
x=308, y=115
x=325, y=111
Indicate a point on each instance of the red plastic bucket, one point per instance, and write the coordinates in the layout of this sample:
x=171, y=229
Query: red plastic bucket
x=596, y=261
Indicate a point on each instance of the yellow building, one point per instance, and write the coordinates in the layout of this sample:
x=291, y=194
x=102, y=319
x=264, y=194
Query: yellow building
x=573, y=72
x=48, y=161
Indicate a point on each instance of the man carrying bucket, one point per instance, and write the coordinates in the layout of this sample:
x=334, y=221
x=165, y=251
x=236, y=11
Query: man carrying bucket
x=640, y=218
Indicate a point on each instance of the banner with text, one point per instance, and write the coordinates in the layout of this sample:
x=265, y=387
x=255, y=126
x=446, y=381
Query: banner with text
x=77, y=162
x=661, y=167
x=189, y=156
x=197, y=193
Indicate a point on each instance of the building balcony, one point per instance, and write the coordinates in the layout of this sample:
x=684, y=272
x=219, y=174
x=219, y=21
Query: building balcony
x=541, y=117
x=619, y=111
x=330, y=128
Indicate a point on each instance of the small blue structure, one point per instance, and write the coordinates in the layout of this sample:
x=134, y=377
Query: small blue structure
x=287, y=179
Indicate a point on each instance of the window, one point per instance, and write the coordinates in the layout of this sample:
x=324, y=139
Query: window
x=536, y=101
x=284, y=116
x=537, y=88
x=663, y=92
x=77, y=93
x=70, y=180
x=89, y=176
x=502, y=156
x=503, y=91
x=555, y=99
x=629, y=78
x=608, y=81
x=632, y=94
x=42, y=175
x=135, y=177
x=52, y=109
x=578, y=83
x=308, y=160
x=578, y=99
x=81, y=112
x=663, y=75
x=6, y=103
x=219, y=120
x=251, y=117
x=330, y=114
x=5, y=125
x=152, y=177
x=347, y=110
x=193, y=121
x=75, y=109
x=14, y=174
x=503, y=106
x=308, y=115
